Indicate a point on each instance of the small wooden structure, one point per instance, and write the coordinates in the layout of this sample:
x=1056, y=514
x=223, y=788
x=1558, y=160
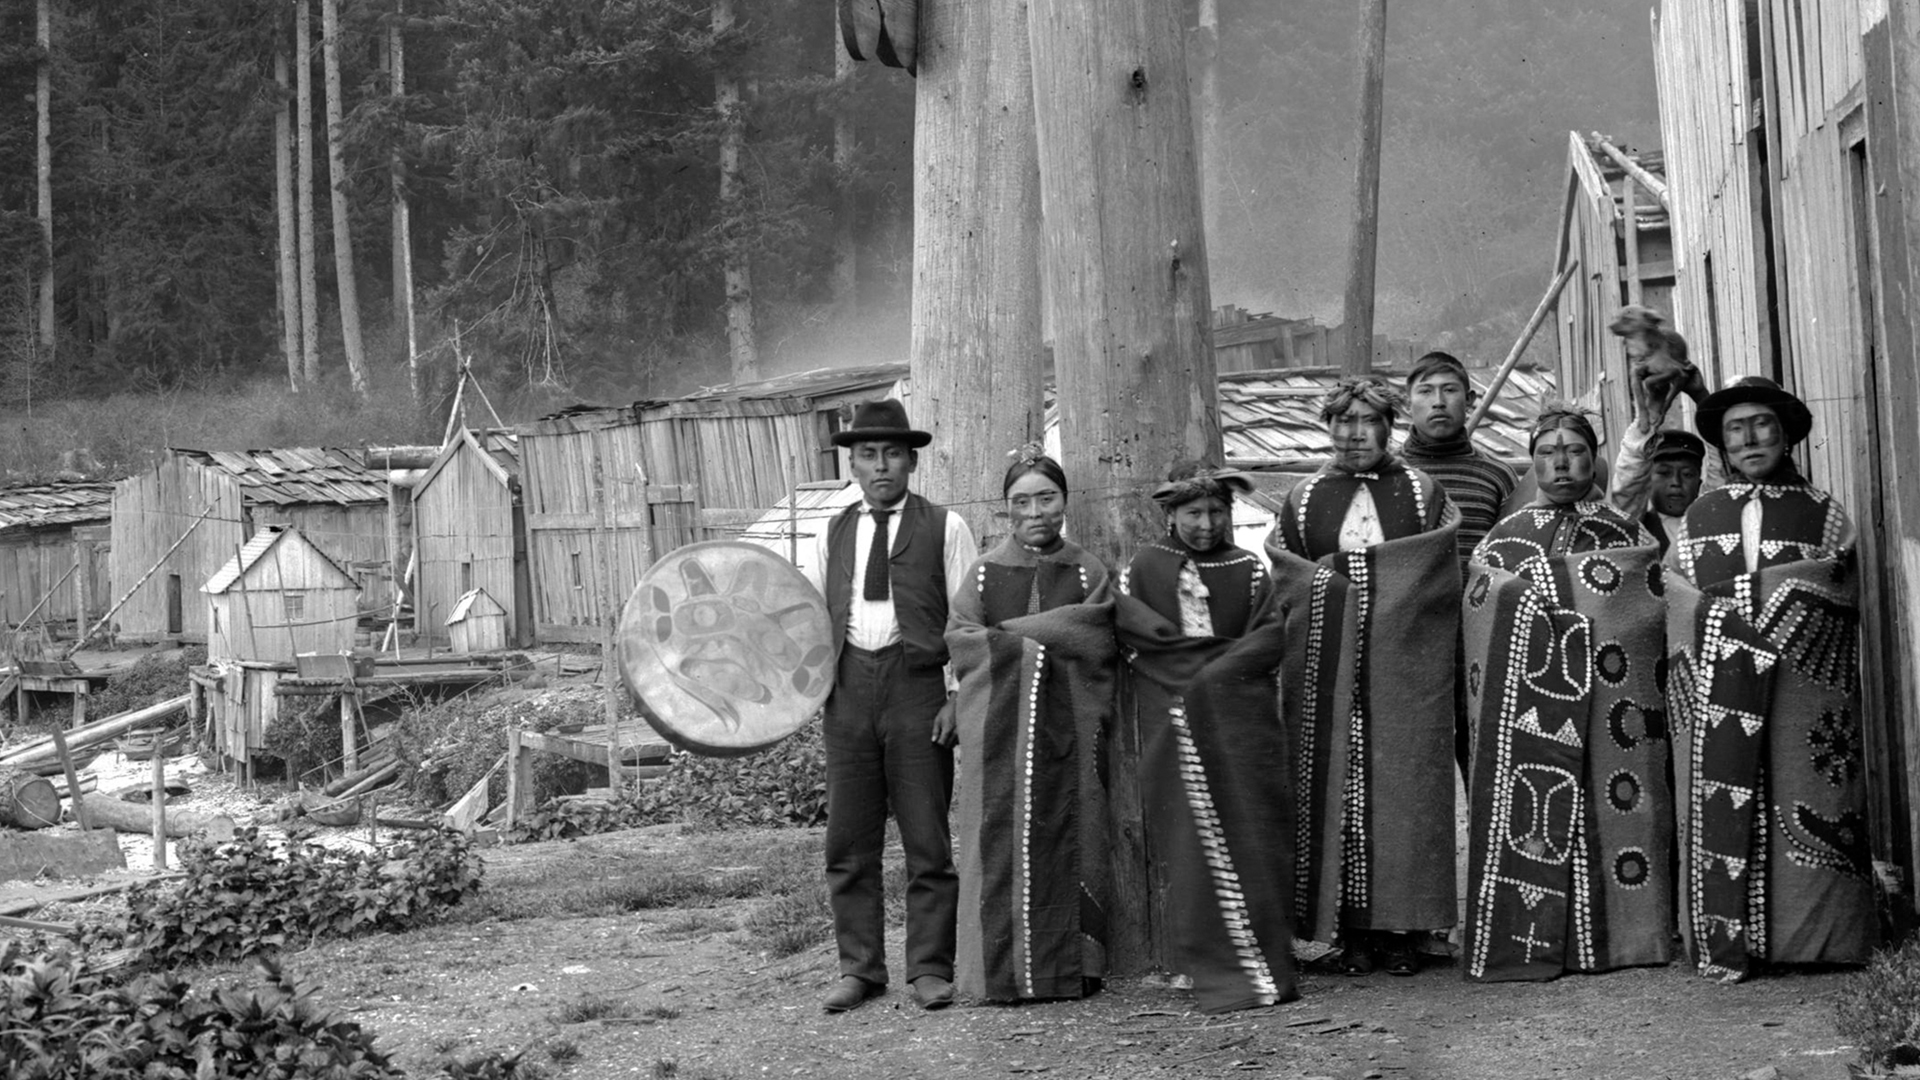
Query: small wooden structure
x=1790, y=131
x=53, y=551
x=279, y=597
x=218, y=499
x=1619, y=235
x=639, y=746
x=469, y=533
x=478, y=623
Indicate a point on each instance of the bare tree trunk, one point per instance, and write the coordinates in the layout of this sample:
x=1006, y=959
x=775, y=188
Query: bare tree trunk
x=288, y=278
x=1364, y=247
x=1126, y=277
x=402, y=212
x=303, y=125
x=741, y=346
x=1213, y=166
x=43, y=143
x=977, y=357
x=337, y=182
x=846, y=279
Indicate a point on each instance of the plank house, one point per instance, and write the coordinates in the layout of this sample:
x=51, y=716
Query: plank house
x=1617, y=233
x=1789, y=132
x=53, y=551
x=279, y=597
x=469, y=532
x=176, y=524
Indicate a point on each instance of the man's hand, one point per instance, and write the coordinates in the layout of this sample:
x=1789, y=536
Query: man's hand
x=946, y=730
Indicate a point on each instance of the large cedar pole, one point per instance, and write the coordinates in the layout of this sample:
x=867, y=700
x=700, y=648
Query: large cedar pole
x=976, y=353
x=288, y=276
x=1362, y=251
x=43, y=170
x=1126, y=275
x=343, y=268
x=1213, y=171
x=303, y=126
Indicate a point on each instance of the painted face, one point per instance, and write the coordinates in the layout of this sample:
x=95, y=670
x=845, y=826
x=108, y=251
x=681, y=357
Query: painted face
x=1563, y=466
x=1036, y=506
x=1438, y=404
x=1756, y=443
x=1204, y=523
x=1359, y=437
x=1673, y=485
x=881, y=469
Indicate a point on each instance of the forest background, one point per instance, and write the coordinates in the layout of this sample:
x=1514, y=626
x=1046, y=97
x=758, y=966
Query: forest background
x=561, y=164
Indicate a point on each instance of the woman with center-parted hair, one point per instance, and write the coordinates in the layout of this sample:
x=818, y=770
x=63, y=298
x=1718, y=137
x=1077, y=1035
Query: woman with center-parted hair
x=1570, y=865
x=1204, y=641
x=1366, y=561
x=1030, y=632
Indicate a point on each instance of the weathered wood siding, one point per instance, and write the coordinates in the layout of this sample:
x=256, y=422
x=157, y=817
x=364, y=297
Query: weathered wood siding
x=291, y=601
x=466, y=535
x=736, y=454
x=353, y=535
x=244, y=707
x=150, y=511
x=589, y=533
x=32, y=560
x=1591, y=357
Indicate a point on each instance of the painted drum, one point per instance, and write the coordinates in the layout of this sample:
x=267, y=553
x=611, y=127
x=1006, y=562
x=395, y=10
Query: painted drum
x=726, y=648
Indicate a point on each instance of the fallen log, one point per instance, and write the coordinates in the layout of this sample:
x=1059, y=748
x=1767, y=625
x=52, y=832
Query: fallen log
x=346, y=783
x=129, y=817
x=41, y=751
x=373, y=780
x=27, y=800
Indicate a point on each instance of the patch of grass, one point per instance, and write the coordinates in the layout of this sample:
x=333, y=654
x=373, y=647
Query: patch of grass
x=563, y=1051
x=691, y=924
x=659, y=1011
x=788, y=925
x=590, y=1007
x=669, y=1069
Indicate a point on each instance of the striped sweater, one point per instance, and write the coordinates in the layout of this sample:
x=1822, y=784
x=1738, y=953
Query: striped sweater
x=1478, y=484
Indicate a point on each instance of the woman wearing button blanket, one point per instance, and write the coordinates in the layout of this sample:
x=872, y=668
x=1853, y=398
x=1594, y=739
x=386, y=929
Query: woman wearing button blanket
x=1572, y=810
x=1204, y=643
x=1030, y=631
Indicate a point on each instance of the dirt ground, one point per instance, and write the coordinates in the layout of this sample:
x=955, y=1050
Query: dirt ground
x=684, y=996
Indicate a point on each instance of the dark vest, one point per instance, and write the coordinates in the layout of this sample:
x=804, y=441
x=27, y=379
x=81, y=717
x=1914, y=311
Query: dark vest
x=917, y=573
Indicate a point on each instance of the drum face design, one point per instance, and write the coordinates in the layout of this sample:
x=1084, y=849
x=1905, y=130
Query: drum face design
x=726, y=648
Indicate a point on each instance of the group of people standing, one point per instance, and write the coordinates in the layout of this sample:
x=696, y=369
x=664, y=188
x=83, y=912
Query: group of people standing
x=1650, y=696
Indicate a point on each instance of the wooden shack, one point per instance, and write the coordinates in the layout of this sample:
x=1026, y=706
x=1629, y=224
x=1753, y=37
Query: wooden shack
x=1615, y=229
x=176, y=524
x=478, y=623
x=1789, y=133
x=53, y=551
x=470, y=532
x=279, y=597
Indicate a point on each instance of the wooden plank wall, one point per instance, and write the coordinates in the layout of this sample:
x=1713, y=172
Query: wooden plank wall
x=32, y=560
x=1593, y=359
x=1701, y=61
x=150, y=511
x=463, y=517
x=572, y=533
x=739, y=455
x=255, y=623
x=355, y=536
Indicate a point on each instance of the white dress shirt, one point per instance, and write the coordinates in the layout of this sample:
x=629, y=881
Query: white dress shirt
x=871, y=624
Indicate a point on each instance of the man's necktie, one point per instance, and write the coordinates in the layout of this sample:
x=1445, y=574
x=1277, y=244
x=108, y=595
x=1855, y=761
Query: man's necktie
x=875, y=586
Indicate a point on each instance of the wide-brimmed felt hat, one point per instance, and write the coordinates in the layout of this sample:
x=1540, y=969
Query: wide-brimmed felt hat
x=880, y=421
x=1672, y=443
x=1796, y=420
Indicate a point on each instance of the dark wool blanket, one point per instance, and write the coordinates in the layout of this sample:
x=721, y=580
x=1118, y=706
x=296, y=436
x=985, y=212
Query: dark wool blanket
x=1370, y=638
x=1572, y=809
x=1768, y=768
x=1217, y=801
x=1034, y=710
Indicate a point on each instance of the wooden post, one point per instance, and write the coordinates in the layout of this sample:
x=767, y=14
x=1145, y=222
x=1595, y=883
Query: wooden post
x=159, y=807
x=976, y=356
x=81, y=692
x=1630, y=213
x=73, y=778
x=1126, y=274
x=519, y=777
x=1363, y=246
x=349, y=738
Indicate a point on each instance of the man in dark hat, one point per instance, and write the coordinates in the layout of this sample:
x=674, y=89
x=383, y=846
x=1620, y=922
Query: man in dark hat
x=1762, y=627
x=886, y=567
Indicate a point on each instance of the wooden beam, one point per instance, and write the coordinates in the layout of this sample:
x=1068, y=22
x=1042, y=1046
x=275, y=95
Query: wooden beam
x=1654, y=185
x=1520, y=346
x=1364, y=240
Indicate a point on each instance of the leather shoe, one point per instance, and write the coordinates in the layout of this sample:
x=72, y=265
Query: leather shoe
x=849, y=993
x=932, y=992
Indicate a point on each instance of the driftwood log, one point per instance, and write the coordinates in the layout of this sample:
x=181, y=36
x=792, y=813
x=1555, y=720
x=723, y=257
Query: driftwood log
x=41, y=751
x=129, y=817
x=27, y=800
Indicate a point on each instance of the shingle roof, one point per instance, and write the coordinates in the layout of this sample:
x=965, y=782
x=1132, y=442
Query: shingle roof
x=297, y=475
x=253, y=552
x=33, y=506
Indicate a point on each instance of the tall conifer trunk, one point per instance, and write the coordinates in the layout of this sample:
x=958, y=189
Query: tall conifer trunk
x=303, y=125
x=742, y=348
x=337, y=183
x=288, y=278
x=402, y=215
x=43, y=170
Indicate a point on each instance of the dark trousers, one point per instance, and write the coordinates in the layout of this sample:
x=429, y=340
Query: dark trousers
x=880, y=753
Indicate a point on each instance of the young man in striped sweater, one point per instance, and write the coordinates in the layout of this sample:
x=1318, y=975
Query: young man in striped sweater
x=1439, y=396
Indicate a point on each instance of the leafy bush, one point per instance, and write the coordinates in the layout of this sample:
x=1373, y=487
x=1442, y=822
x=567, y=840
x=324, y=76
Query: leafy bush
x=784, y=785
x=61, y=1018
x=452, y=744
x=1878, y=1010
x=152, y=679
x=242, y=898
